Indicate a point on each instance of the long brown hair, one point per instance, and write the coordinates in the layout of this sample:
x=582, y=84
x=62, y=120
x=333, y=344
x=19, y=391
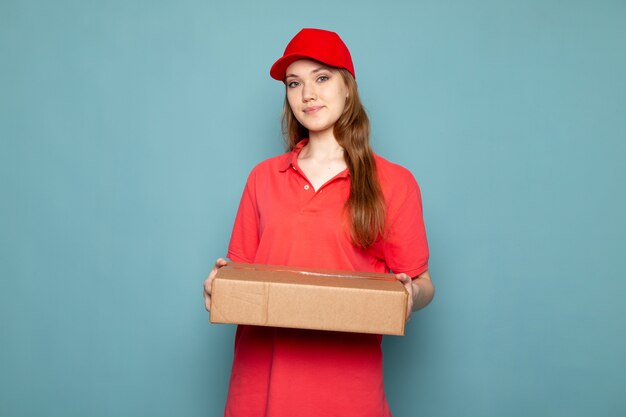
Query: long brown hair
x=366, y=206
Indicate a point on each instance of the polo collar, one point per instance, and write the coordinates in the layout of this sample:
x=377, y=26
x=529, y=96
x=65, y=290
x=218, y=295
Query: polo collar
x=290, y=159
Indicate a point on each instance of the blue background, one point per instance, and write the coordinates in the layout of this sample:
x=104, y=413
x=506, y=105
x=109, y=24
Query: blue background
x=128, y=128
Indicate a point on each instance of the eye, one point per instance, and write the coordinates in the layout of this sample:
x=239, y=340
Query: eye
x=323, y=78
x=293, y=84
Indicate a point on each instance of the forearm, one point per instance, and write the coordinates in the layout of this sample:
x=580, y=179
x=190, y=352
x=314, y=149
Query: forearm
x=423, y=291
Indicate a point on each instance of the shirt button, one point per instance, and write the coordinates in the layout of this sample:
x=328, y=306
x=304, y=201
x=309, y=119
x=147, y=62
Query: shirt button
x=306, y=187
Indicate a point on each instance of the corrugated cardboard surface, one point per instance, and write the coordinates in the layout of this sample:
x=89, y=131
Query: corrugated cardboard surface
x=308, y=299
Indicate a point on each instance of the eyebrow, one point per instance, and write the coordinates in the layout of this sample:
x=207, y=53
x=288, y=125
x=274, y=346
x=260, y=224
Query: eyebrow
x=313, y=72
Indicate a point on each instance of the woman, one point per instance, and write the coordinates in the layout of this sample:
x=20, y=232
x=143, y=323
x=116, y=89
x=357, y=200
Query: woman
x=329, y=203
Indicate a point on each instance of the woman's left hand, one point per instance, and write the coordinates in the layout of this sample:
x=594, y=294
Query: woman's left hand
x=413, y=291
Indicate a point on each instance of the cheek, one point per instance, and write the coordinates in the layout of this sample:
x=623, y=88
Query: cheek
x=292, y=102
x=293, y=105
x=292, y=95
x=342, y=106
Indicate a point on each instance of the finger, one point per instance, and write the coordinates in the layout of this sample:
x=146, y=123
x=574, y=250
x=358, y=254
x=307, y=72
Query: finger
x=207, y=303
x=404, y=278
x=219, y=263
x=207, y=299
x=406, y=281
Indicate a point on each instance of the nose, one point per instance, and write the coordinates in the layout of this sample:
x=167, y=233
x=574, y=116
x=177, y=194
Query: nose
x=308, y=92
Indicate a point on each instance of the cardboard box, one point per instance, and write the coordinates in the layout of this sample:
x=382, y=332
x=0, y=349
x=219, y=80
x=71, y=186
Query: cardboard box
x=303, y=298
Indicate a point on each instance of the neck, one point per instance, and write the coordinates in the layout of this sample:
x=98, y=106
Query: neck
x=323, y=145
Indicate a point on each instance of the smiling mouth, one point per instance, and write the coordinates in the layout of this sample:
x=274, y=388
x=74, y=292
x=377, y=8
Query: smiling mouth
x=311, y=110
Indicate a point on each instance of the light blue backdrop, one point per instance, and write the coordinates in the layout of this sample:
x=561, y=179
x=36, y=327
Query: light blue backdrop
x=128, y=128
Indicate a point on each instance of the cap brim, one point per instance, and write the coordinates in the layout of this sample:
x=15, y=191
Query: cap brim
x=279, y=68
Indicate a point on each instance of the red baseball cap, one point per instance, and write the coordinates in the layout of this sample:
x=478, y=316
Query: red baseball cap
x=318, y=44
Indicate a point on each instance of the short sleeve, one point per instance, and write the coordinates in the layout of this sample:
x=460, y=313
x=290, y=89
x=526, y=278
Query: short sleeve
x=405, y=245
x=244, y=240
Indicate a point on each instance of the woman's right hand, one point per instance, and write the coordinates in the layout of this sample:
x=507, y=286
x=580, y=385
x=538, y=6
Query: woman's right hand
x=209, y=280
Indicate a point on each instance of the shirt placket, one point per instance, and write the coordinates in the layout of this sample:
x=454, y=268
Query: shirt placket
x=307, y=193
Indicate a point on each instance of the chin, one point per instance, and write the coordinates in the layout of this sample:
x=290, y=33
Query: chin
x=317, y=128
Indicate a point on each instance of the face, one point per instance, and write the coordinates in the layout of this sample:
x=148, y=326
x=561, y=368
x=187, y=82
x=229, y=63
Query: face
x=316, y=94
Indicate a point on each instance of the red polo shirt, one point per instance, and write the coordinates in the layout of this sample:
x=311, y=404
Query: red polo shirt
x=282, y=220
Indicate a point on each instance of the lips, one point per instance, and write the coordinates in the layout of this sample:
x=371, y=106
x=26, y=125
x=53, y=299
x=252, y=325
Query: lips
x=312, y=109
